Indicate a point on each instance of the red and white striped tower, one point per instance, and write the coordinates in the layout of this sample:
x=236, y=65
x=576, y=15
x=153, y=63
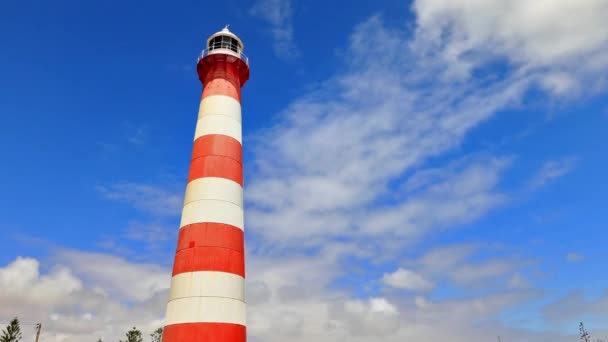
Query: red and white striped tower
x=207, y=299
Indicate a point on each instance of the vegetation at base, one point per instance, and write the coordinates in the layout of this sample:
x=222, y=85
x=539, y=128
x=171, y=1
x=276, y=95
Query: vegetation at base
x=12, y=332
x=157, y=335
x=134, y=335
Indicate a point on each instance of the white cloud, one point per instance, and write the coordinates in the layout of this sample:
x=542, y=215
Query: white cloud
x=156, y=200
x=138, y=137
x=575, y=306
x=338, y=152
x=574, y=257
x=474, y=273
x=517, y=281
x=560, y=83
x=153, y=233
x=23, y=285
x=407, y=279
x=74, y=306
x=117, y=276
x=564, y=41
x=460, y=265
x=279, y=15
x=373, y=317
x=258, y=292
x=454, y=197
x=330, y=161
x=336, y=155
x=552, y=170
x=442, y=259
x=98, y=306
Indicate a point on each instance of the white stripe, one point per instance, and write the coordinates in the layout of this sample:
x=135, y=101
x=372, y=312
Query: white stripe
x=212, y=211
x=214, y=188
x=207, y=284
x=206, y=309
x=218, y=124
x=220, y=104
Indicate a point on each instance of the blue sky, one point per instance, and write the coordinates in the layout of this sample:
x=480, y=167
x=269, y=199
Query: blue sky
x=428, y=168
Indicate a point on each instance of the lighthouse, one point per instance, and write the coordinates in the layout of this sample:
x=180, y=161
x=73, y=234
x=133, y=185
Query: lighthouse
x=207, y=295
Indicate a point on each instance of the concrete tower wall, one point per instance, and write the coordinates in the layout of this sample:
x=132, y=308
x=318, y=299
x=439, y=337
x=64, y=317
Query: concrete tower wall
x=207, y=296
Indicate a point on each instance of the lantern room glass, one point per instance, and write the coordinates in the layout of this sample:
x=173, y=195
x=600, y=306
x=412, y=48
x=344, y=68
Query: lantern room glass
x=225, y=42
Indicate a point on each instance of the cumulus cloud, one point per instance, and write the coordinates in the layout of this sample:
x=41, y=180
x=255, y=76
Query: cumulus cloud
x=75, y=306
x=94, y=303
x=321, y=313
x=117, y=276
x=258, y=292
x=373, y=317
x=22, y=284
x=406, y=279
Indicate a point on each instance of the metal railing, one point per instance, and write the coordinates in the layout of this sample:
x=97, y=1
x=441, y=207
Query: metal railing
x=228, y=48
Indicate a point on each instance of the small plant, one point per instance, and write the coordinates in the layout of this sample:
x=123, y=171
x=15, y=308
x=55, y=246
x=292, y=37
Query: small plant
x=134, y=335
x=12, y=333
x=157, y=335
x=584, y=334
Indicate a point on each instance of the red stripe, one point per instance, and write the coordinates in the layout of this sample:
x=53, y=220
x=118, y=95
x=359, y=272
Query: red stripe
x=217, y=155
x=222, y=77
x=216, y=166
x=209, y=258
x=208, y=234
x=217, y=145
x=222, y=86
x=207, y=332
